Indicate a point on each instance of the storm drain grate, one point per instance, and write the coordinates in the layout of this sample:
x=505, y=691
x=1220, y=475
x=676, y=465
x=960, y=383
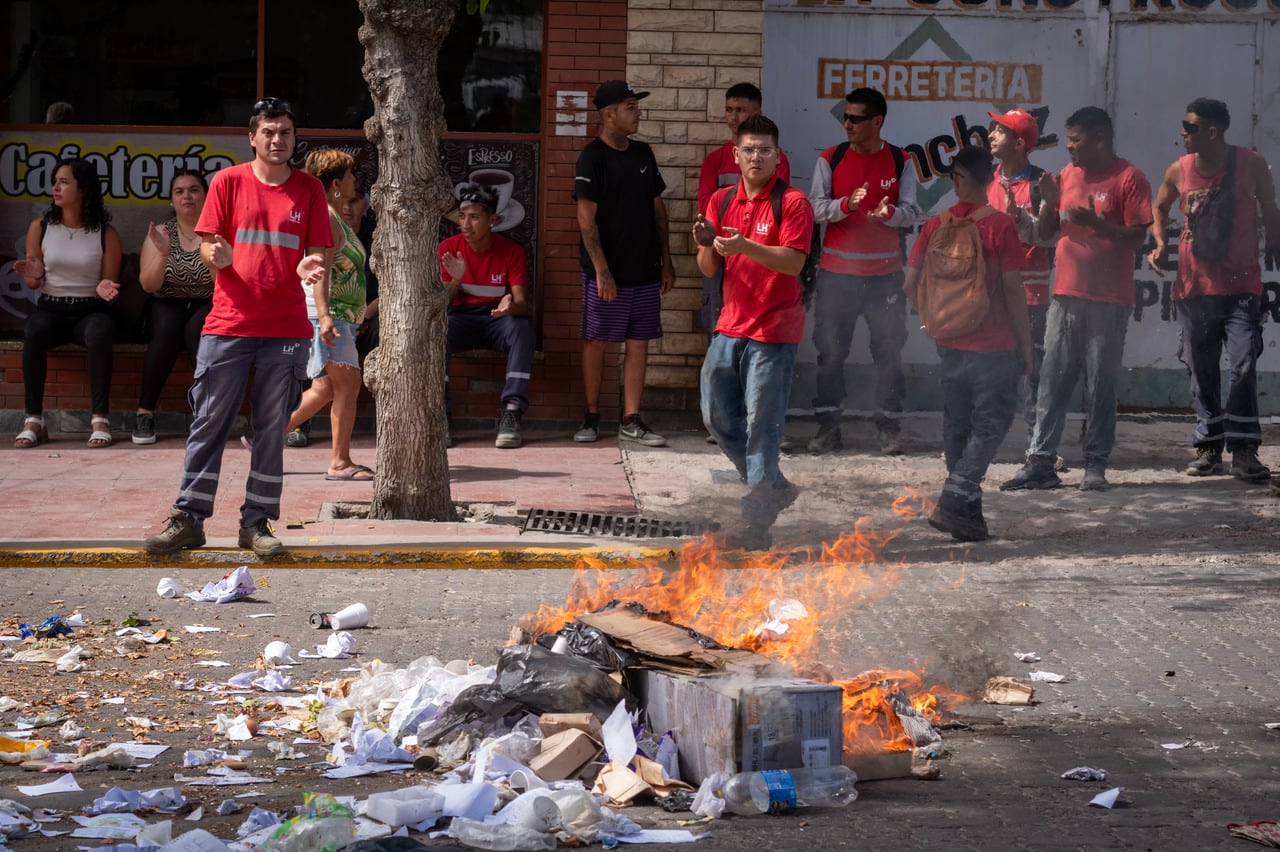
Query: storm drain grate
x=605, y=523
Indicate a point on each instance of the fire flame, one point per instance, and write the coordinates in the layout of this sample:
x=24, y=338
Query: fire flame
x=755, y=604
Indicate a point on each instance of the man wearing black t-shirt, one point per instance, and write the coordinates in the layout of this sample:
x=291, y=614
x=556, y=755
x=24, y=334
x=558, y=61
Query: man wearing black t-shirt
x=625, y=256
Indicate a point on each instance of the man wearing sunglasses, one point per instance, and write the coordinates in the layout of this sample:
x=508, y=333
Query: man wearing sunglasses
x=264, y=226
x=1219, y=300
x=863, y=193
x=1100, y=208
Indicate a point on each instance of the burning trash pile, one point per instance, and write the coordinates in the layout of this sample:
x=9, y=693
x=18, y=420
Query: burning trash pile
x=701, y=689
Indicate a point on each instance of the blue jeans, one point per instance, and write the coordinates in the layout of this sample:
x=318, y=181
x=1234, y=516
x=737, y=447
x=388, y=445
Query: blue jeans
x=1208, y=322
x=839, y=301
x=476, y=328
x=1082, y=339
x=279, y=365
x=746, y=385
x=979, y=395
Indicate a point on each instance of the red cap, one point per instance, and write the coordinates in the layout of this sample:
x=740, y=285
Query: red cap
x=1022, y=123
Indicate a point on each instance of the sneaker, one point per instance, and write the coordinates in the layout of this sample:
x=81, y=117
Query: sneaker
x=144, y=429
x=1208, y=462
x=959, y=527
x=1060, y=465
x=589, y=431
x=1245, y=465
x=181, y=534
x=1095, y=478
x=1033, y=475
x=509, y=430
x=261, y=540
x=295, y=438
x=890, y=443
x=636, y=430
x=828, y=440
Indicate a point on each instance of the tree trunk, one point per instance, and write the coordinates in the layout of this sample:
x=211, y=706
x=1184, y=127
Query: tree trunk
x=406, y=372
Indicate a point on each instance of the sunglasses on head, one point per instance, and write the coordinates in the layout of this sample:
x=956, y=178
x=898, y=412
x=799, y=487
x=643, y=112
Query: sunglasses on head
x=1190, y=127
x=271, y=105
x=850, y=118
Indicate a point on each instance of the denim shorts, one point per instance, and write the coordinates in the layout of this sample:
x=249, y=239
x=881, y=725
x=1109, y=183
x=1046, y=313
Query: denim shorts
x=343, y=350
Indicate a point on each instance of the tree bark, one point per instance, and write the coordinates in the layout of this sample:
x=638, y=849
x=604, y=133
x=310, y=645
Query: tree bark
x=406, y=372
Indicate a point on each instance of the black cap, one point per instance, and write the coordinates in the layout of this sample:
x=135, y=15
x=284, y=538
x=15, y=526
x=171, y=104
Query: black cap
x=615, y=92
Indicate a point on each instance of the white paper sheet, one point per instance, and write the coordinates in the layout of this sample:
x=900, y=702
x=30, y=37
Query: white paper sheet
x=659, y=835
x=619, y=738
x=471, y=801
x=65, y=784
x=1107, y=799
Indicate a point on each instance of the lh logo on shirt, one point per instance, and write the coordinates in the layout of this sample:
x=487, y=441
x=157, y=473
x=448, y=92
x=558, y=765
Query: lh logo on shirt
x=888, y=184
x=495, y=278
x=295, y=216
x=762, y=229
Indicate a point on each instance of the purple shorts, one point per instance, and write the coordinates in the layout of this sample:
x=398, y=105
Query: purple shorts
x=636, y=314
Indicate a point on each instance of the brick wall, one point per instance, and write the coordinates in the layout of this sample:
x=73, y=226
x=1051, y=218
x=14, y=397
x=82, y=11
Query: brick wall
x=686, y=53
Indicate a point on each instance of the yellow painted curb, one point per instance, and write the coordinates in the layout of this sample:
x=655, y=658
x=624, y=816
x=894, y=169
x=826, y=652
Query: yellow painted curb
x=399, y=556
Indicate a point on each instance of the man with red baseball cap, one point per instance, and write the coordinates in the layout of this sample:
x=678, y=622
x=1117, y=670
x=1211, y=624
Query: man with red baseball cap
x=1015, y=190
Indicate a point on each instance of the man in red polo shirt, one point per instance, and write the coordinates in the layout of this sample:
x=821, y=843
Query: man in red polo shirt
x=1100, y=207
x=760, y=240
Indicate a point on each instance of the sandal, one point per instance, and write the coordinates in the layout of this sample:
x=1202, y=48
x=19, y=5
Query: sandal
x=29, y=437
x=101, y=436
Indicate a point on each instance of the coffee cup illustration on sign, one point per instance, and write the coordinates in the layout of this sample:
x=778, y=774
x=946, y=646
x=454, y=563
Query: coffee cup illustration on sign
x=502, y=183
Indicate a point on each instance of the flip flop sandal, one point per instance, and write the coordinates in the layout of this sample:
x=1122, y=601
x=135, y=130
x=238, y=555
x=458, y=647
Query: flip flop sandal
x=351, y=474
x=28, y=437
x=101, y=437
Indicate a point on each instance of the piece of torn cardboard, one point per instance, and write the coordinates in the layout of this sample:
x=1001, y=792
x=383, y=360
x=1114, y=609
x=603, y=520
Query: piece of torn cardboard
x=620, y=785
x=564, y=754
x=1007, y=690
x=554, y=723
x=673, y=648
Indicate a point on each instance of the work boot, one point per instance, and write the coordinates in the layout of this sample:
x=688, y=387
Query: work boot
x=890, y=442
x=1095, y=477
x=1033, y=475
x=960, y=527
x=1208, y=462
x=261, y=540
x=828, y=439
x=509, y=430
x=181, y=534
x=1245, y=465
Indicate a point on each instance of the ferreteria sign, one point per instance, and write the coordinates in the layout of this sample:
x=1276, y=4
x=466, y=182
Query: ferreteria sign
x=943, y=65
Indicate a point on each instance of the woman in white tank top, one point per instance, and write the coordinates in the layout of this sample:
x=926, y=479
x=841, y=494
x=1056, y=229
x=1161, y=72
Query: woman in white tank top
x=73, y=259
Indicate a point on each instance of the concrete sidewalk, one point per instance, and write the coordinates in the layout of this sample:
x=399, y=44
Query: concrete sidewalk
x=72, y=505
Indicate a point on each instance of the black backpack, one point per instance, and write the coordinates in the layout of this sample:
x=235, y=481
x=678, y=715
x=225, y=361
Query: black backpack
x=1210, y=222
x=809, y=274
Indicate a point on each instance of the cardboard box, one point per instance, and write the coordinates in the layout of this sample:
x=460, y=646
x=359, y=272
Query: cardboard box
x=554, y=723
x=564, y=754
x=737, y=724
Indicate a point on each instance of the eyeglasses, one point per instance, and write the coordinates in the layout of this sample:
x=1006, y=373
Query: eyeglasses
x=850, y=118
x=1190, y=128
x=271, y=105
x=764, y=153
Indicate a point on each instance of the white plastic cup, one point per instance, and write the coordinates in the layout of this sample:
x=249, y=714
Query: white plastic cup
x=542, y=815
x=350, y=617
x=278, y=654
x=167, y=588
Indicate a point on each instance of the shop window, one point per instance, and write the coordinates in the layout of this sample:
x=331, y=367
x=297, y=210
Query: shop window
x=490, y=67
x=313, y=61
x=144, y=62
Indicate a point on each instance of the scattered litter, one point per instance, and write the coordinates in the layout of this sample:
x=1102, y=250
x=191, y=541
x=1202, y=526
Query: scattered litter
x=284, y=751
x=38, y=655
x=41, y=720
x=1046, y=677
x=278, y=654
x=233, y=729
x=1027, y=656
x=168, y=588
x=233, y=587
x=1107, y=799
x=70, y=731
x=1271, y=726
x=1085, y=773
x=147, y=637
x=1189, y=743
x=200, y=628
x=109, y=826
x=261, y=615
x=227, y=807
x=221, y=777
x=164, y=800
x=1263, y=831
x=339, y=646
x=7, y=703
x=211, y=664
x=1006, y=690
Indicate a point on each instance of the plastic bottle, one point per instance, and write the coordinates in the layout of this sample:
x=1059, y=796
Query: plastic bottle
x=776, y=790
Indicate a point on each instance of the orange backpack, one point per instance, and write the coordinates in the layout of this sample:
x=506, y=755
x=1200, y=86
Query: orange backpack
x=951, y=296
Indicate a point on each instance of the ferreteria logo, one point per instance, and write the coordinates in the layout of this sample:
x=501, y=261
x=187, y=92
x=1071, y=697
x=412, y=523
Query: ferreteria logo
x=128, y=173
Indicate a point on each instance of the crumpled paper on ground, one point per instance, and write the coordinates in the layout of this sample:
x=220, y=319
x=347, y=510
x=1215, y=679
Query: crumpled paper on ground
x=234, y=586
x=339, y=646
x=1085, y=773
x=706, y=803
x=118, y=800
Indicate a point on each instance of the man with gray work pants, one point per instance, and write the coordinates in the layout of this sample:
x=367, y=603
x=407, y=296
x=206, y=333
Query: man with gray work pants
x=264, y=226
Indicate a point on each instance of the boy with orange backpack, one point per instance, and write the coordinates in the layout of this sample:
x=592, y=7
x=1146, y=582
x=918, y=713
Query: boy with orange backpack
x=964, y=278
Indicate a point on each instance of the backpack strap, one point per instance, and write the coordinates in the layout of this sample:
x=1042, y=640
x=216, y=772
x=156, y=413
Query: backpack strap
x=837, y=155
x=899, y=160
